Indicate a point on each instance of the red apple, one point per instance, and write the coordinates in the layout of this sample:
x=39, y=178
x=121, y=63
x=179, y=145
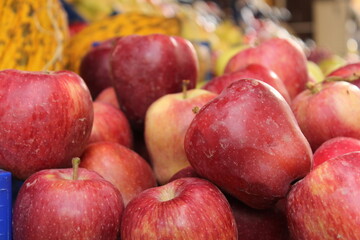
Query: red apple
x=60, y=204
x=45, y=120
x=325, y=204
x=188, y=171
x=254, y=71
x=110, y=124
x=335, y=147
x=247, y=141
x=108, y=95
x=254, y=224
x=166, y=122
x=328, y=110
x=187, y=208
x=349, y=73
x=121, y=166
x=282, y=56
x=145, y=68
x=95, y=66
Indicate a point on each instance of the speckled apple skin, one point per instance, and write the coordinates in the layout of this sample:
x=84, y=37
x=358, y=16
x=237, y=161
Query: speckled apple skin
x=124, y=168
x=50, y=205
x=145, y=68
x=186, y=208
x=110, y=124
x=95, y=67
x=255, y=71
x=247, y=141
x=282, y=56
x=45, y=120
x=335, y=147
x=347, y=72
x=325, y=204
x=333, y=111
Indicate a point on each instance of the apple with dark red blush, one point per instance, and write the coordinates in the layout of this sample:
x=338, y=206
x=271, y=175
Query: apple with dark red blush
x=45, y=120
x=264, y=224
x=249, y=134
x=283, y=56
x=188, y=171
x=255, y=71
x=110, y=124
x=144, y=68
x=186, y=208
x=121, y=166
x=95, y=66
x=67, y=204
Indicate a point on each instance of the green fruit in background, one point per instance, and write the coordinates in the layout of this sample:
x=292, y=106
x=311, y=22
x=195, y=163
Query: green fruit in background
x=225, y=56
x=315, y=72
x=200, y=84
x=329, y=64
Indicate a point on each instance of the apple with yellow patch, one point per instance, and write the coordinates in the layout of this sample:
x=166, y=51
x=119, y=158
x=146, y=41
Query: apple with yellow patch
x=166, y=122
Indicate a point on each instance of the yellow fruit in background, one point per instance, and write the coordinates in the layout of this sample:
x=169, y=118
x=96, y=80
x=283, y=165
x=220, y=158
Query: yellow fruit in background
x=194, y=30
x=315, y=71
x=202, y=26
x=229, y=32
x=33, y=35
x=93, y=10
x=225, y=56
x=330, y=64
x=200, y=84
x=228, y=35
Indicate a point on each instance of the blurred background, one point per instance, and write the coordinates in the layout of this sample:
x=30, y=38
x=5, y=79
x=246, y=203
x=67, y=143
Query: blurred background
x=327, y=29
x=332, y=24
x=55, y=37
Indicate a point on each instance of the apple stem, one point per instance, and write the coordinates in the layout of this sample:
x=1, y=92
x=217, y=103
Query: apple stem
x=185, y=84
x=75, y=165
x=314, y=87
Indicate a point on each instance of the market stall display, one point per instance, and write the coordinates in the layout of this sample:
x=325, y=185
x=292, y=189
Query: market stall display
x=188, y=119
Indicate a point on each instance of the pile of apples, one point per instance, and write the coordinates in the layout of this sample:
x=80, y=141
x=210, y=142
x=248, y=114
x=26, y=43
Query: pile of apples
x=129, y=148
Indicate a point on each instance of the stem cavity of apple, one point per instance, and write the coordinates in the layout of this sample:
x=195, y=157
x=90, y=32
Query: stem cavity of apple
x=167, y=194
x=75, y=165
x=185, y=84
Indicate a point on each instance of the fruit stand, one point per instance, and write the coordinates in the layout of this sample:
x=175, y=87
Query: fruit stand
x=179, y=119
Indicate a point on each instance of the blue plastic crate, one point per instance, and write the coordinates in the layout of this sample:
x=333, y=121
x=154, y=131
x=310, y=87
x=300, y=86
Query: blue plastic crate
x=5, y=205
